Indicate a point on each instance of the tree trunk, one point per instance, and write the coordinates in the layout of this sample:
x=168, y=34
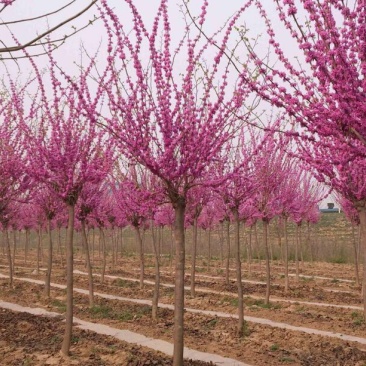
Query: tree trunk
x=104, y=249
x=227, y=269
x=310, y=245
x=69, y=282
x=194, y=254
x=362, y=215
x=60, y=246
x=47, y=283
x=268, y=269
x=221, y=236
x=257, y=245
x=286, y=255
x=38, y=249
x=14, y=247
x=179, y=208
x=250, y=252
x=88, y=264
x=155, y=300
x=10, y=262
x=357, y=276
x=209, y=248
x=297, y=253
x=240, y=326
x=141, y=254
x=26, y=247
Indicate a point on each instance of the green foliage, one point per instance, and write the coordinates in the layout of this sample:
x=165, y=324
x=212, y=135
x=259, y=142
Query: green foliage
x=274, y=347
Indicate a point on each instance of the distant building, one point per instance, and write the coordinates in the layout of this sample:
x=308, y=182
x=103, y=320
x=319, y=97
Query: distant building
x=330, y=208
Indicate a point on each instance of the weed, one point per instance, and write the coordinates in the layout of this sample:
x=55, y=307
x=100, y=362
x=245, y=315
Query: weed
x=124, y=283
x=274, y=347
x=286, y=359
x=307, y=279
x=60, y=305
x=101, y=311
x=212, y=323
x=334, y=280
x=27, y=362
x=75, y=339
x=357, y=318
x=246, y=330
x=262, y=304
x=125, y=316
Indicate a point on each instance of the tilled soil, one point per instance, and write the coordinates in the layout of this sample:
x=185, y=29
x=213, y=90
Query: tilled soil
x=262, y=345
x=35, y=340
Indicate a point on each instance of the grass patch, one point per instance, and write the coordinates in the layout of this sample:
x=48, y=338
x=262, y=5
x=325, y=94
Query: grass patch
x=286, y=359
x=274, y=347
x=60, y=305
x=357, y=318
x=261, y=304
x=101, y=311
x=124, y=283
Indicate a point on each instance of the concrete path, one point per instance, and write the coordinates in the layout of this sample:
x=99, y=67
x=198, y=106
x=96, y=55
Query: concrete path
x=130, y=337
x=209, y=313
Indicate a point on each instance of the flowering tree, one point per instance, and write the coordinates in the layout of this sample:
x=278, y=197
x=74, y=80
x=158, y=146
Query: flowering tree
x=174, y=126
x=65, y=151
x=322, y=89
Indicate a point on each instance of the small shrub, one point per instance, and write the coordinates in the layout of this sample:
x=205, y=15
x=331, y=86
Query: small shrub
x=274, y=347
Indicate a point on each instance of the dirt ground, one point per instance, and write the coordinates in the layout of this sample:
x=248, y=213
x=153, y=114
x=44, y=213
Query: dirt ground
x=261, y=345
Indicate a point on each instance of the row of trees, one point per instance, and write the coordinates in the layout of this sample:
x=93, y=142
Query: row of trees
x=184, y=131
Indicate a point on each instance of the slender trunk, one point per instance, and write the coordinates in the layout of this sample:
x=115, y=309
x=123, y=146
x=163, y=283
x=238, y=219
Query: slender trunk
x=14, y=248
x=310, y=245
x=240, y=326
x=88, y=264
x=141, y=254
x=65, y=349
x=26, y=248
x=269, y=241
x=297, y=253
x=104, y=249
x=194, y=254
x=227, y=269
x=60, y=246
x=209, y=248
x=171, y=249
x=268, y=269
x=362, y=215
x=155, y=300
x=221, y=235
x=38, y=249
x=47, y=283
x=8, y=251
x=286, y=255
x=179, y=208
x=250, y=252
x=257, y=245
x=357, y=276
x=301, y=247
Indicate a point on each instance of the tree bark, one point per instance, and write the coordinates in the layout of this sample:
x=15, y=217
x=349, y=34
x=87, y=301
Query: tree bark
x=14, y=247
x=141, y=254
x=240, y=326
x=357, y=276
x=297, y=253
x=10, y=262
x=104, y=249
x=47, y=283
x=65, y=349
x=286, y=255
x=38, y=249
x=179, y=208
x=88, y=264
x=194, y=254
x=227, y=269
x=26, y=248
x=268, y=268
x=209, y=248
x=155, y=300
